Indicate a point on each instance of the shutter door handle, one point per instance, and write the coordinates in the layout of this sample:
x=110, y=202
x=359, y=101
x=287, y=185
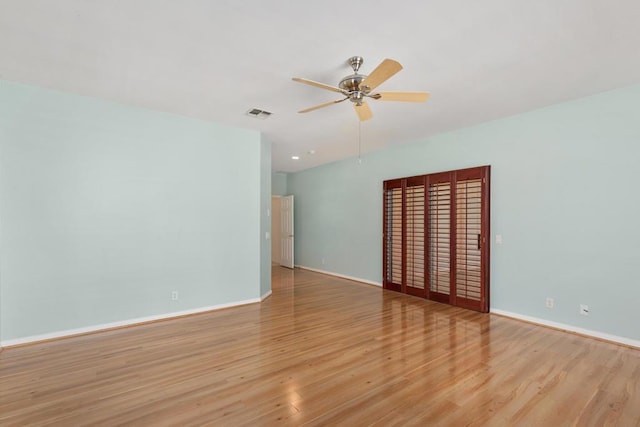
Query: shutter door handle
x=479, y=241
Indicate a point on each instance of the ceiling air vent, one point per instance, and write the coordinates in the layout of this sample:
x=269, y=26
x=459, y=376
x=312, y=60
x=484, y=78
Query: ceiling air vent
x=258, y=113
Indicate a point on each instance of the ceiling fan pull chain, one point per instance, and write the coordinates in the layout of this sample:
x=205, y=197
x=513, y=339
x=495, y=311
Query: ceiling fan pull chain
x=359, y=142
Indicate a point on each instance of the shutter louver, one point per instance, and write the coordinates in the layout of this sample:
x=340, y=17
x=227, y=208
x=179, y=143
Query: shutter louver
x=415, y=238
x=440, y=237
x=393, y=237
x=468, y=239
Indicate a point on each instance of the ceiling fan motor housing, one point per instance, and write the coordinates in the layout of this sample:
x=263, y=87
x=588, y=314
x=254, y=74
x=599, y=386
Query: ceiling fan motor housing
x=351, y=84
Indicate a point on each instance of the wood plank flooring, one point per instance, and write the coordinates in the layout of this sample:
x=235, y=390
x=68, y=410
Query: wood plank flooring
x=324, y=351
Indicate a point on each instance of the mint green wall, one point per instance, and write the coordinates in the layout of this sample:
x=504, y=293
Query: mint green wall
x=279, y=184
x=265, y=216
x=564, y=199
x=106, y=209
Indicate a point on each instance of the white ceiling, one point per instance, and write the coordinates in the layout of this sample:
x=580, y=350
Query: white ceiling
x=215, y=59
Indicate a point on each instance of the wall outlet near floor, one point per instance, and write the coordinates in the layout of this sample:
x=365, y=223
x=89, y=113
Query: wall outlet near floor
x=549, y=302
x=174, y=295
x=322, y=261
x=584, y=309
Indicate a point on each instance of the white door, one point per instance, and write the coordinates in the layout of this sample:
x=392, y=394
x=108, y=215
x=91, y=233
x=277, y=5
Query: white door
x=286, y=231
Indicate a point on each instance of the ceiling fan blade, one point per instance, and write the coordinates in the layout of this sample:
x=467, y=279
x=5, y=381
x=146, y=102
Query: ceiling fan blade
x=363, y=111
x=317, y=107
x=320, y=85
x=384, y=71
x=402, y=96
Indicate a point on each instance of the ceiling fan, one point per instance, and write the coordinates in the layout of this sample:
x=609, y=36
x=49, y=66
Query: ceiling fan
x=356, y=87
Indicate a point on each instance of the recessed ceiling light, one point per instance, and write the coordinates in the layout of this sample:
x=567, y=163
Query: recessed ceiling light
x=295, y=157
x=311, y=152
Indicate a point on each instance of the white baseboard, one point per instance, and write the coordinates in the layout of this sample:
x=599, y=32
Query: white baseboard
x=265, y=296
x=594, y=334
x=123, y=323
x=561, y=326
x=342, y=276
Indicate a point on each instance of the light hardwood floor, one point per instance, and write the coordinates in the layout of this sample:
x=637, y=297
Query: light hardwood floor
x=324, y=351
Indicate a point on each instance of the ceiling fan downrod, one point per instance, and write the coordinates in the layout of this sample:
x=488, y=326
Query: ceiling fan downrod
x=355, y=62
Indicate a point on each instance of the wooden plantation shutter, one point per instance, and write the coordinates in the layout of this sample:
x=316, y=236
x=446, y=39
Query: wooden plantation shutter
x=392, y=232
x=471, y=239
x=414, y=236
x=440, y=240
x=436, y=230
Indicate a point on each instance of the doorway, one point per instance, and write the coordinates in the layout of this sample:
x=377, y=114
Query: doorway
x=282, y=231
